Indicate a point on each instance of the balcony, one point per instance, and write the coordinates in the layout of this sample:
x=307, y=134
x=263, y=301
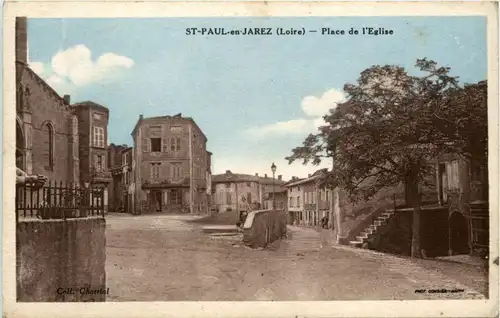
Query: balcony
x=102, y=176
x=165, y=184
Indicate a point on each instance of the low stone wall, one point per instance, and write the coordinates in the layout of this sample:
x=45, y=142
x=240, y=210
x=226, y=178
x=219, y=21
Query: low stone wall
x=264, y=227
x=61, y=260
x=396, y=236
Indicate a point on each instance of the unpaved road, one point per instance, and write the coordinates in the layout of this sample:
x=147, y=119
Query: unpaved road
x=162, y=258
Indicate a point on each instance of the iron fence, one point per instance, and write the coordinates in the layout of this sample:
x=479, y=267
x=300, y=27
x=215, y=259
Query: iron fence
x=58, y=200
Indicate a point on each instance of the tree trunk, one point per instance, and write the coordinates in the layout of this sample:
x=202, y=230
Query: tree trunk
x=414, y=196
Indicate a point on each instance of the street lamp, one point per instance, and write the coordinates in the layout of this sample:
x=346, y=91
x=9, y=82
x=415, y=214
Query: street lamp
x=273, y=169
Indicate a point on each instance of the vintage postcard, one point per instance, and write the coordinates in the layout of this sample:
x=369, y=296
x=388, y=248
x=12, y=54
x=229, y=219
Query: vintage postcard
x=250, y=159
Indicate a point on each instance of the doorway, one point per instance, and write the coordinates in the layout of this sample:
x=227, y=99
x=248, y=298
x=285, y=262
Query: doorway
x=459, y=234
x=157, y=200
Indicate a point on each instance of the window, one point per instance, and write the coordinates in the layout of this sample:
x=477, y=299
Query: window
x=145, y=145
x=156, y=144
x=48, y=143
x=176, y=129
x=97, y=116
x=298, y=201
x=175, y=196
x=124, y=159
x=175, y=144
x=249, y=197
x=98, y=137
x=327, y=194
x=99, y=162
x=155, y=171
x=228, y=185
x=176, y=172
x=452, y=174
x=228, y=198
x=291, y=202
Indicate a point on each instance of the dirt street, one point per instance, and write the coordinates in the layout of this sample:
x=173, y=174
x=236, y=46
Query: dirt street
x=161, y=258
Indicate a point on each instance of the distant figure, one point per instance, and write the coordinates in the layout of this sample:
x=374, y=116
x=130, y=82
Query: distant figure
x=244, y=210
x=324, y=222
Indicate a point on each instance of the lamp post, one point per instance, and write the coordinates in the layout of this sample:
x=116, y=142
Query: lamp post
x=273, y=169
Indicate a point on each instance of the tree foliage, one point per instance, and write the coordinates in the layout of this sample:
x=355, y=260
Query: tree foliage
x=392, y=124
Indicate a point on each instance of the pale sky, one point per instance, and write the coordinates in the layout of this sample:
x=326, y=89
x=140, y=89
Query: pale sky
x=255, y=97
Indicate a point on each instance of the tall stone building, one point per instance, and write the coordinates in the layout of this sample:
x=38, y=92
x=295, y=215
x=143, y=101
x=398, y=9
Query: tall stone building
x=47, y=140
x=171, y=165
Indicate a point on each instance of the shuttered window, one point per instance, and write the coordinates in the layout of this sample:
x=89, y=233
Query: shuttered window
x=146, y=146
x=99, y=163
x=175, y=144
x=176, y=171
x=98, y=137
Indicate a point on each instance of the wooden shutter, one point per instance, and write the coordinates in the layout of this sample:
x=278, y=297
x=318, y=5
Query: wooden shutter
x=164, y=145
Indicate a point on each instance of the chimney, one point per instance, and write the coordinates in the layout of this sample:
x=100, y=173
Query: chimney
x=228, y=171
x=309, y=175
x=21, y=40
x=265, y=176
x=256, y=174
x=67, y=99
x=280, y=177
x=141, y=117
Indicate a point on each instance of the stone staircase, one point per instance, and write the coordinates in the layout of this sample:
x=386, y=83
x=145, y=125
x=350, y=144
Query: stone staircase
x=372, y=230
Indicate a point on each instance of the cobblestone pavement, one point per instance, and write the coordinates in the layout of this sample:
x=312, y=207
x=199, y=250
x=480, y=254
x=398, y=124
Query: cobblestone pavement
x=165, y=258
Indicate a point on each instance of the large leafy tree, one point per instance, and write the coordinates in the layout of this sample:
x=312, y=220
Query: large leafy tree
x=388, y=130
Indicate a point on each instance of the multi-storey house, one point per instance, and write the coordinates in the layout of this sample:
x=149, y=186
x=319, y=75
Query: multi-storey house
x=276, y=198
x=93, y=135
x=238, y=192
x=171, y=165
x=308, y=203
x=120, y=164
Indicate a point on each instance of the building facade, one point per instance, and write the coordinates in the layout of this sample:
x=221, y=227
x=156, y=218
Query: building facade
x=277, y=197
x=93, y=135
x=462, y=187
x=234, y=191
x=308, y=203
x=171, y=165
x=120, y=165
x=47, y=140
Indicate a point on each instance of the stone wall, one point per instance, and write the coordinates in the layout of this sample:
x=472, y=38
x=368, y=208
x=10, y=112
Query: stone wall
x=264, y=227
x=57, y=260
x=40, y=107
x=395, y=237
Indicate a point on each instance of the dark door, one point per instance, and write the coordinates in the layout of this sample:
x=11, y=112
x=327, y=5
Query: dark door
x=459, y=234
x=125, y=203
x=158, y=201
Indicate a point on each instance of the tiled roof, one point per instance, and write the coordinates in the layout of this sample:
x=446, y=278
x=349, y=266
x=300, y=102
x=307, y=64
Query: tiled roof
x=278, y=189
x=90, y=104
x=312, y=178
x=237, y=177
